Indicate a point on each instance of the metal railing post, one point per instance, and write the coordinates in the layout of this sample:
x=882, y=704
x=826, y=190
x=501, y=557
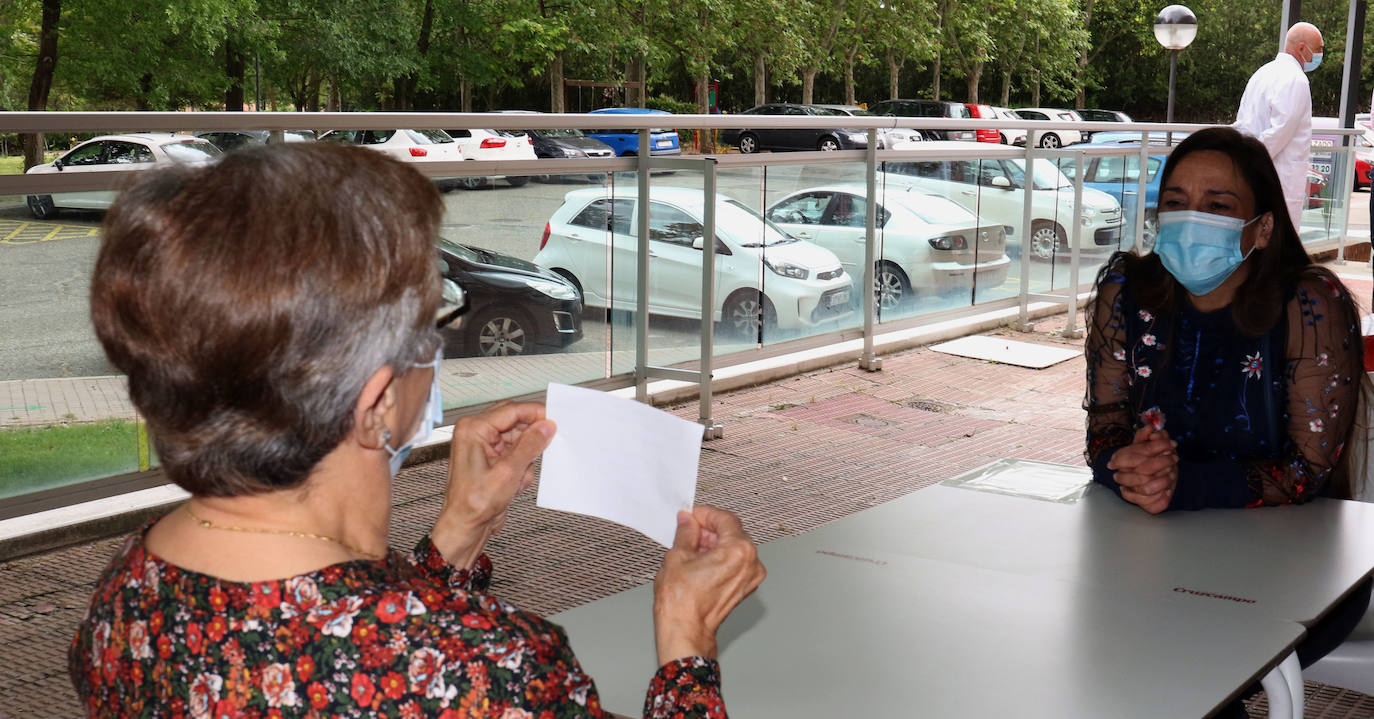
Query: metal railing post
x=642, y=272
x=1023, y=322
x=1076, y=239
x=869, y=361
x=710, y=428
x=1140, y=208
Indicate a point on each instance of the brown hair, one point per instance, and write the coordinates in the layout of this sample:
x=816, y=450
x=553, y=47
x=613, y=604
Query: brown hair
x=249, y=300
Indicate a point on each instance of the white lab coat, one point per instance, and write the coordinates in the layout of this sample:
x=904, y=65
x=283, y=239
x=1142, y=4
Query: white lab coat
x=1277, y=109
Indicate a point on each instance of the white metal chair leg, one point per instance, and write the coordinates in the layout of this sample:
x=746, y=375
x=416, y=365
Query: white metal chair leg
x=1292, y=673
x=1283, y=687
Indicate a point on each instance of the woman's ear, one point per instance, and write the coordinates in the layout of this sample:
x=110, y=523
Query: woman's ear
x=1265, y=230
x=369, y=416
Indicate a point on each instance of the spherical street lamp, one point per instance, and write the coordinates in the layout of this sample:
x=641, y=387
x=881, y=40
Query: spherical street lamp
x=1175, y=28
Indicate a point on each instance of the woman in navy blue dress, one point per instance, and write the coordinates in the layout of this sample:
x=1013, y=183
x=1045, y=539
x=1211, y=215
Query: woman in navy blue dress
x=1225, y=367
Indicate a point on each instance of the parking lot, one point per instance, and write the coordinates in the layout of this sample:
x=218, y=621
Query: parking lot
x=45, y=266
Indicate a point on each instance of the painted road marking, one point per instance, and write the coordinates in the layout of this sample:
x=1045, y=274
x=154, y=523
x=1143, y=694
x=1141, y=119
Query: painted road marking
x=21, y=232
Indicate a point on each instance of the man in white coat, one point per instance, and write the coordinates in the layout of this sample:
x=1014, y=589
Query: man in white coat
x=1277, y=109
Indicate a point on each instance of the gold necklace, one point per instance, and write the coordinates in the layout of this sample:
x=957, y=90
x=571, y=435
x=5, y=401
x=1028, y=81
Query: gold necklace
x=207, y=524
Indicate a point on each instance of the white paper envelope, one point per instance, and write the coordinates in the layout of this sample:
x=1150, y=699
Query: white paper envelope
x=620, y=460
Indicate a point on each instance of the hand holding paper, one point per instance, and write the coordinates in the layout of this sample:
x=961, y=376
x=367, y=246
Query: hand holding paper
x=619, y=460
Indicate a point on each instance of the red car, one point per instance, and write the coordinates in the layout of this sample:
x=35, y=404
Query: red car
x=985, y=112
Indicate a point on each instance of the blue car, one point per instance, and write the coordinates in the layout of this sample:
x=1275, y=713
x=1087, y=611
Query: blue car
x=626, y=142
x=1119, y=176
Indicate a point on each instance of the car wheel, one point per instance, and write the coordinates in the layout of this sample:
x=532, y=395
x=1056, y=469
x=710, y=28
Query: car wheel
x=1044, y=240
x=828, y=144
x=891, y=288
x=748, y=143
x=41, y=207
x=472, y=183
x=500, y=332
x=1003, y=139
x=1049, y=140
x=518, y=181
x=749, y=315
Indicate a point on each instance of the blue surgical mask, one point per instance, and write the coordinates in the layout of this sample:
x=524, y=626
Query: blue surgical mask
x=432, y=416
x=1312, y=64
x=1200, y=249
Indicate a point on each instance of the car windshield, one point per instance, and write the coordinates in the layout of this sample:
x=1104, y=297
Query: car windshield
x=558, y=132
x=836, y=111
x=1046, y=175
x=428, y=137
x=751, y=225
x=462, y=251
x=936, y=210
x=190, y=150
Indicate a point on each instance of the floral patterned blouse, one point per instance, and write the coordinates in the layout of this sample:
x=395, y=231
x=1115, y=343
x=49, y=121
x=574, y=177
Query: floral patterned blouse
x=1258, y=420
x=407, y=636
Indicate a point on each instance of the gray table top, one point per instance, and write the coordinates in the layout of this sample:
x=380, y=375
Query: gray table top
x=1291, y=563
x=877, y=633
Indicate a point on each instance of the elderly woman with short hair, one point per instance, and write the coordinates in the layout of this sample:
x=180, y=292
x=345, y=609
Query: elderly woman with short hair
x=275, y=315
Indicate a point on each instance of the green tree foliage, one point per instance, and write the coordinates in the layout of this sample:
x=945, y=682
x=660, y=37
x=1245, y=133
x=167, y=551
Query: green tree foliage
x=492, y=54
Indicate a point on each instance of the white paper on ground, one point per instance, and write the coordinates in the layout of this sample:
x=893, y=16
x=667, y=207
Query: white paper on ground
x=619, y=459
x=1000, y=349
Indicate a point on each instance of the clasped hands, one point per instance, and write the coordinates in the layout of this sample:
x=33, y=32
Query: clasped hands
x=710, y=569
x=1147, y=469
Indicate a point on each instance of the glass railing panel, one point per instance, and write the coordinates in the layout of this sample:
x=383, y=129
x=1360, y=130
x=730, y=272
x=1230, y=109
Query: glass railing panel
x=1330, y=178
x=808, y=266
x=614, y=292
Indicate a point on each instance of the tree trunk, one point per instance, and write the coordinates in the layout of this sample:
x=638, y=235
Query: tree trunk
x=312, y=93
x=634, y=73
x=935, y=78
x=808, y=84
x=1035, y=91
x=464, y=94
x=145, y=88
x=760, y=79
x=1081, y=76
x=333, y=103
x=1006, y=88
x=234, y=68
x=43, y=71
x=849, y=75
x=556, y=103
x=894, y=75
x=706, y=138
x=972, y=80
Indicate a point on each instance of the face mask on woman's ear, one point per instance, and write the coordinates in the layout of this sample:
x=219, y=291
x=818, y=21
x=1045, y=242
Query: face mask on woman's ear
x=1200, y=249
x=432, y=415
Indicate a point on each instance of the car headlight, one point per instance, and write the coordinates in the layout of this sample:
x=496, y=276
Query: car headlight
x=787, y=269
x=573, y=152
x=1089, y=212
x=552, y=289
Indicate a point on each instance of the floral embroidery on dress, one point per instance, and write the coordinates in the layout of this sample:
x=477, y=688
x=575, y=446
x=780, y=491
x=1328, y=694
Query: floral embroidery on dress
x=1253, y=365
x=1119, y=355
x=407, y=636
x=1146, y=316
x=1148, y=340
x=1323, y=359
x=1316, y=425
x=1143, y=370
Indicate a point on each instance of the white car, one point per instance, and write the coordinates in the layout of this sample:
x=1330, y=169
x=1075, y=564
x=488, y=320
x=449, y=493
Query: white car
x=995, y=190
x=418, y=146
x=760, y=270
x=1010, y=135
x=926, y=243
x=493, y=145
x=892, y=138
x=114, y=153
x=1054, y=138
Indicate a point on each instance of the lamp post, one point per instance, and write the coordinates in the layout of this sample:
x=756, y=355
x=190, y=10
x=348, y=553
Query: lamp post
x=1175, y=28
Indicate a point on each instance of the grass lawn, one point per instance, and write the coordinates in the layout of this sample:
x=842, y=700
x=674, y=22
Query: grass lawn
x=33, y=458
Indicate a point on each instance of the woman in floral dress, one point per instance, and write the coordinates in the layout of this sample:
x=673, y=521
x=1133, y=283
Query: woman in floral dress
x=275, y=314
x=1224, y=368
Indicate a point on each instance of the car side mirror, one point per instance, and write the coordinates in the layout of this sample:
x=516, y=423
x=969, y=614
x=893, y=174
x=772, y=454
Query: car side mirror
x=1001, y=182
x=58, y=164
x=698, y=243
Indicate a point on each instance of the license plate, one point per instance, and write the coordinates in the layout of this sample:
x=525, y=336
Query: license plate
x=663, y=143
x=839, y=298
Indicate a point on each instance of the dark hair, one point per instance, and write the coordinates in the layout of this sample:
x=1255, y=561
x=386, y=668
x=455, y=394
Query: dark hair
x=249, y=300
x=1274, y=269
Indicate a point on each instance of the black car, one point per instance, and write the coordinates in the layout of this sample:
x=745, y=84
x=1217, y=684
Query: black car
x=227, y=140
x=778, y=138
x=515, y=307
x=929, y=108
x=567, y=143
